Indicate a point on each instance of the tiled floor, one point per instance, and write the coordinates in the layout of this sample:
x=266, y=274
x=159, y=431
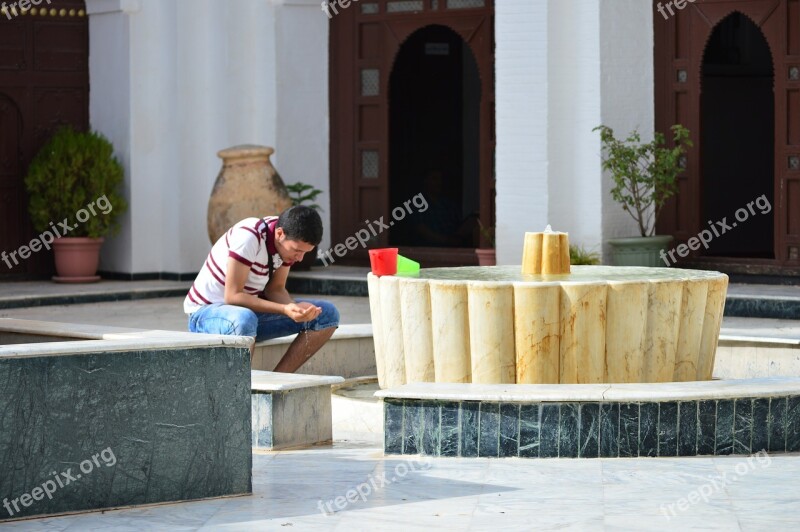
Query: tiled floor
x=162, y=313
x=167, y=313
x=292, y=489
x=720, y=493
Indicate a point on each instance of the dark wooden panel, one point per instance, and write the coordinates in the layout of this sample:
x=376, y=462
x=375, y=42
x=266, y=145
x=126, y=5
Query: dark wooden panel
x=10, y=133
x=369, y=42
x=793, y=117
x=793, y=28
x=12, y=45
x=369, y=125
x=60, y=46
x=793, y=209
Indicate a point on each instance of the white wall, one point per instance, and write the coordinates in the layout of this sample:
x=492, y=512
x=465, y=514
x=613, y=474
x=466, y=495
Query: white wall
x=175, y=81
x=627, y=87
x=562, y=68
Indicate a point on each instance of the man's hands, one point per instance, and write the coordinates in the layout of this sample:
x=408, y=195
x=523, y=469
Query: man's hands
x=302, y=312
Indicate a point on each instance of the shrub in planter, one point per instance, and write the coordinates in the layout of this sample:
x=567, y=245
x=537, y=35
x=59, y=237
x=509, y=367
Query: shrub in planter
x=76, y=178
x=645, y=176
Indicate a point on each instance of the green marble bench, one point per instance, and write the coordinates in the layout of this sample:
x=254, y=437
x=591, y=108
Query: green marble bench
x=102, y=417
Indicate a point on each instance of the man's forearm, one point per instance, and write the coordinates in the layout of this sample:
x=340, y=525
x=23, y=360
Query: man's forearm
x=256, y=304
x=279, y=295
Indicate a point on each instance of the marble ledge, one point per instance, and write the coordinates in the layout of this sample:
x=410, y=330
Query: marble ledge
x=629, y=392
x=94, y=339
x=268, y=381
x=761, y=340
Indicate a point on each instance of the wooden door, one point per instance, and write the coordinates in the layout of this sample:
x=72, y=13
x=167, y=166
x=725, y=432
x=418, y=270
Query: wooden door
x=44, y=83
x=365, y=40
x=681, y=42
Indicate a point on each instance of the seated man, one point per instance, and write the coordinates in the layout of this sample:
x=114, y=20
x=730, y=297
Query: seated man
x=241, y=289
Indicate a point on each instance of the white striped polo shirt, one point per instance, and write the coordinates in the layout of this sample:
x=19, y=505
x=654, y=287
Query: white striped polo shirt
x=250, y=242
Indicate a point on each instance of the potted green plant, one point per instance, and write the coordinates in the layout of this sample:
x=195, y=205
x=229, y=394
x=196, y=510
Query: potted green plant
x=645, y=177
x=73, y=184
x=305, y=194
x=579, y=256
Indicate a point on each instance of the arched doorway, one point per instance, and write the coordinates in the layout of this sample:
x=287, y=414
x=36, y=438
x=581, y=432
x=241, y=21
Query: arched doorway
x=434, y=59
x=434, y=139
x=738, y=140
x=728, y=70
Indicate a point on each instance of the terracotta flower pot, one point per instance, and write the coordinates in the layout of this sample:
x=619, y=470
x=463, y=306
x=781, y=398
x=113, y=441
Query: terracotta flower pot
x=247, y=186
x=486, y=256
x=77, y=259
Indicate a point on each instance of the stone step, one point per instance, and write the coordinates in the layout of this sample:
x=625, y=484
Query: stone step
x=357, y=413
x=290, y=410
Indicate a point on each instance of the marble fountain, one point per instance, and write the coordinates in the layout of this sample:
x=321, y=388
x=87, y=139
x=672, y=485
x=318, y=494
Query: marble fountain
x=553, y=360
x=577, y=325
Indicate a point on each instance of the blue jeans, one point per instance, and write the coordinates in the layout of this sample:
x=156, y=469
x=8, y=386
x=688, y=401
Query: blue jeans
x=239, y=321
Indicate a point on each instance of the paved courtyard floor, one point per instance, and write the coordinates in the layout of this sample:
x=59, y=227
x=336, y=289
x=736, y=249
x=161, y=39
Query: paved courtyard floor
x=309, y=489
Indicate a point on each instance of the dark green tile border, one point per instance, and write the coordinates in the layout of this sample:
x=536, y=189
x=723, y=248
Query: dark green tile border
x=591, y=429
x=43, y=301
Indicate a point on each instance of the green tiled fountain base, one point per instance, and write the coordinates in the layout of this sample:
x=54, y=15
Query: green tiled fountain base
x=592, y=429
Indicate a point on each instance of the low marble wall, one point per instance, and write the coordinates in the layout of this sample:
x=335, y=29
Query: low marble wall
x=747, y=358
x=349, y=353
x=591, y=421
x=126, y=418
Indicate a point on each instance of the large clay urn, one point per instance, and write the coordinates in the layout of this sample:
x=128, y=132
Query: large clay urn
x=248, y=185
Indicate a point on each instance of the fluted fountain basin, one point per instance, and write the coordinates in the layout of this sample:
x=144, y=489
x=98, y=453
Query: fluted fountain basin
x=598, y=324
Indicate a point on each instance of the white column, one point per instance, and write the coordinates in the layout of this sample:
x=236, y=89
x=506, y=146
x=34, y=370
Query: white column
x=521, y=66
x=574, y=102
x=303, y=117
x=109, y=104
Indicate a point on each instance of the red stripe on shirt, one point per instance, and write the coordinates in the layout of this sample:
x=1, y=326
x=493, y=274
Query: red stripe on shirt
x=214, y=274
x=252, y=231
x=196, y=302
x=200, y=295
x=237, y=257
x=221, y=271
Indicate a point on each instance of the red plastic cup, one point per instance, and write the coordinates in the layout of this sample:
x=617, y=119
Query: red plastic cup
x=383, y=261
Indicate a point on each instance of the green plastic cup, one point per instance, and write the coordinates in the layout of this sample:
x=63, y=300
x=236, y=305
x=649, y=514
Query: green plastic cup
x=406, y=265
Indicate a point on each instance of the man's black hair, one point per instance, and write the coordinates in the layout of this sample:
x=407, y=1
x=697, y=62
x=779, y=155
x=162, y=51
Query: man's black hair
x=301, y=223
